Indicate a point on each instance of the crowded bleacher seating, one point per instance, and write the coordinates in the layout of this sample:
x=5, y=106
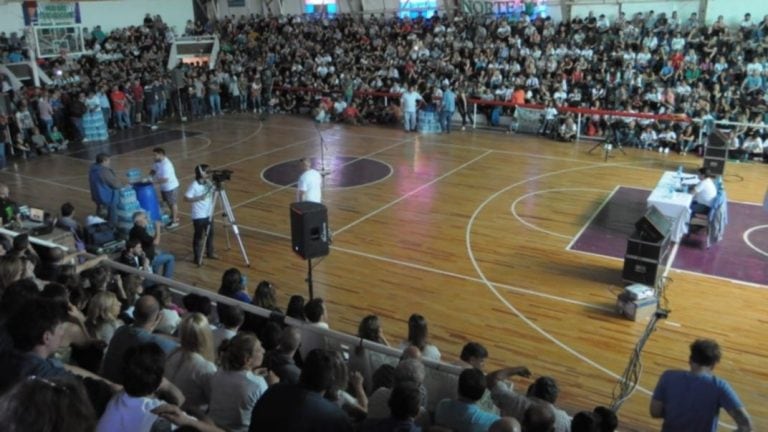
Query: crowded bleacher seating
x=123, y=347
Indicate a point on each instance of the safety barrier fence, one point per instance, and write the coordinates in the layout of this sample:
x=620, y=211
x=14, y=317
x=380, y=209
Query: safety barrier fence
x=525, y=112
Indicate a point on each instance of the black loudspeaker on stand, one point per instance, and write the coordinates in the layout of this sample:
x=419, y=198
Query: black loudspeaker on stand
x=310, y=236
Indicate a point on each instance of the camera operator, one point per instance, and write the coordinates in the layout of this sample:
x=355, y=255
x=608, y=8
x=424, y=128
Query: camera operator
x=200, y=194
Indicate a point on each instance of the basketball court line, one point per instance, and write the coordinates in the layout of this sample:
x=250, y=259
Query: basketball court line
x=418, y=189
x=594, y=215
x=474, y=147
x=391, y=171
x=274, y=191
x=416, y=266
x=724, y=279
x=471, y=147
x=130, y=155
x=745, y=237
x=513, y=309
x=41, y=180
x=513, y=208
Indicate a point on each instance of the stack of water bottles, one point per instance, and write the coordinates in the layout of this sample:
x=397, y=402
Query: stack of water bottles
x=429, y=122
x=126, y=207
x=677, y=183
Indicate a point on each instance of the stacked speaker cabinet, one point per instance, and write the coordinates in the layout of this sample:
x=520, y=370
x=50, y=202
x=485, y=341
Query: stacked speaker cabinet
x=309, y=229
x=716, y=152
x=647, y=249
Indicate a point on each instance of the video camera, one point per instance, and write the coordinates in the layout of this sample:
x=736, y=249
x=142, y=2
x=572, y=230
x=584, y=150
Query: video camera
x=220, y=176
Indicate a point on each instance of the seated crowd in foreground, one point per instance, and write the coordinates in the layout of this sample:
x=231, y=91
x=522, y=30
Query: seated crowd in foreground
x=90, y=349
x=649, y=63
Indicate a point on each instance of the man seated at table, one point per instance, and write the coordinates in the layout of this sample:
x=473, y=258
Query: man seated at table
x=704, y=192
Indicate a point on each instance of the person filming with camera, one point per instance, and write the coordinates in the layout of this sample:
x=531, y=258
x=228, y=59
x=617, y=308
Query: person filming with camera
x=200, y=194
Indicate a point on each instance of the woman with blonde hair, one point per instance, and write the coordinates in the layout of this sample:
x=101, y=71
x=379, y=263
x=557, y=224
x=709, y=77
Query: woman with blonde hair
x=191, y=365
x=235, y=388
x=11, y=270
x=101, y=320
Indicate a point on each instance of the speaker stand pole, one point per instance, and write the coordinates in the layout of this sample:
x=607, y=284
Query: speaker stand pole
x=309, y=279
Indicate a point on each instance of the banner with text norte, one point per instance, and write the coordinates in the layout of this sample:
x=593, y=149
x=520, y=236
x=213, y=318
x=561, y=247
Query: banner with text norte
x=50, y=14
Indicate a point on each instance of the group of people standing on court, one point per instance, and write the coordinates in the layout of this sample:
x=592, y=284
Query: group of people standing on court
x=445, y=106
x=105, y=186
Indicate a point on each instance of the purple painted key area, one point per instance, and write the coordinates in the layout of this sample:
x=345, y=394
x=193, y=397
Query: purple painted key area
x=732, y=258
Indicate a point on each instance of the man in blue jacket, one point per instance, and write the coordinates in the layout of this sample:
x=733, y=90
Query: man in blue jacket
x=104, y=187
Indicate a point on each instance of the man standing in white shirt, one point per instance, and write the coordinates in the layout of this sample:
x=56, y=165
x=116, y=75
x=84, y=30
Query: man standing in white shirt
x=310, y=184
x=200, y=194
x=408, y=102
x=164, y=174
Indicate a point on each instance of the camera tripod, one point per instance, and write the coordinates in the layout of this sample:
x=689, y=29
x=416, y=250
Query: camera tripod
x=608, y=144
x=220, y=194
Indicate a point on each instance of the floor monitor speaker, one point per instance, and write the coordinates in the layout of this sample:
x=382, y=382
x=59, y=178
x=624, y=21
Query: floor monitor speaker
x=653, y=226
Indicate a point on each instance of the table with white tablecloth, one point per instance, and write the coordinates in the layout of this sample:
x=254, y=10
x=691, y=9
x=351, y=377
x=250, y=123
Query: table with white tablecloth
x=672, y=203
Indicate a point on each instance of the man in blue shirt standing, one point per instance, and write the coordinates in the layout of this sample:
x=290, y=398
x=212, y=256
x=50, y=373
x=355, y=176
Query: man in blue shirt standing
x=691, y=400
x=448, y=107
x=104, y=186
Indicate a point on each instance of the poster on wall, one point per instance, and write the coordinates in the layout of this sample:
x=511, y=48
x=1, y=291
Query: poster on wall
x=236, y=3
x=50, y=14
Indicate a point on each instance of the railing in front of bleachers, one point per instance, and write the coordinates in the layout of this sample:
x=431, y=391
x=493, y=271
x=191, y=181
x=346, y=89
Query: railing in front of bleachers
x=364, y=356
x=476, y=104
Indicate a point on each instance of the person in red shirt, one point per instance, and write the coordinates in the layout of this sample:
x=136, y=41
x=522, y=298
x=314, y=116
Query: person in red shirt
x=518, y=96
x=351, y=114
x=120, y=108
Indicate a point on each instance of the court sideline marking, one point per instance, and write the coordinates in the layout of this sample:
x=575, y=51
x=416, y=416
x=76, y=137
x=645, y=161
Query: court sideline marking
x=356, y=159
x=513, y=309
x=594, y=215
x=418, y=189
x=439, y=271
x=513, y=208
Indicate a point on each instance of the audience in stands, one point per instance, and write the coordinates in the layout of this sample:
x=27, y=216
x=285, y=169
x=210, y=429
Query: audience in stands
x=163, y=263
x=191, y=365
x=146, y=317
x=463, y=413
x=647, y=63
x=234, y=389
x=370, y=329
x=317, y=317
x=295, y=308
x=47, y=404
x=281, y=359
x=230, y=320
x=651, y=64
x=302, y=407
x=418, y=336
x=131, y=409
x=233, y=284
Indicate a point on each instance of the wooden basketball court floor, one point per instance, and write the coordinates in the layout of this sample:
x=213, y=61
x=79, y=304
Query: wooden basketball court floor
x=440, y=236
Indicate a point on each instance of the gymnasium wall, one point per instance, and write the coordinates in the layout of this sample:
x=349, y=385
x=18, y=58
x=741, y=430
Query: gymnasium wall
x=111, y=14
x=119, y=13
